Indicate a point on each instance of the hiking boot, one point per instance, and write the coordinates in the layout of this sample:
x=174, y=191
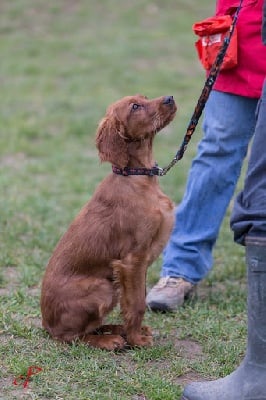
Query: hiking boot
x=169, y=294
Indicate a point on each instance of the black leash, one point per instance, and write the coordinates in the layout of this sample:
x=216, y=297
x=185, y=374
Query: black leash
x=202, y=99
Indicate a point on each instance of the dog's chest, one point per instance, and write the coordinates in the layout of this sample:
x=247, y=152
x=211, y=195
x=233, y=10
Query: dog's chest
x=164, y=208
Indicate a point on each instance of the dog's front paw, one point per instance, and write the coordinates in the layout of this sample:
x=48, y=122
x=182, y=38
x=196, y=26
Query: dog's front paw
x=146, y=330
x=140, y=341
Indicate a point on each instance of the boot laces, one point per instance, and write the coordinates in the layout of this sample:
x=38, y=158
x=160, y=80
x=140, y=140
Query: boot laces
x=169, y=281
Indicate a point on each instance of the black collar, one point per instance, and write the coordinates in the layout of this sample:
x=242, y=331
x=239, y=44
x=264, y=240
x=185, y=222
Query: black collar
x=136, y=171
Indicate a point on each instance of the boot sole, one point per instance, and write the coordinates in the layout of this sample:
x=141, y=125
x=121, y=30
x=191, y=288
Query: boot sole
x=162, y=307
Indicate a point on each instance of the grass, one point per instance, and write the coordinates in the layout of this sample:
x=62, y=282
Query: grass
x=62, y=64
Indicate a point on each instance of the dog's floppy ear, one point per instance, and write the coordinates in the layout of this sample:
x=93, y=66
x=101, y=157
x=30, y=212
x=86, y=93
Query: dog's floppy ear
x=111, y=143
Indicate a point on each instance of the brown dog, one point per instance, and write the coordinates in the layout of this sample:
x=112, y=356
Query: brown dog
x=104, y=255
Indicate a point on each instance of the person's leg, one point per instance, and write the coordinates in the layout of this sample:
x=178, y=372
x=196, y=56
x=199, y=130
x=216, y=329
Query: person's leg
x=210, y=186
x=247, y=218
x=248, y=222
x=249, y=379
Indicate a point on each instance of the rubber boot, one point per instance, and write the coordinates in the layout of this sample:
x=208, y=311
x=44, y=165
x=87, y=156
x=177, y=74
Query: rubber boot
x=248, y=381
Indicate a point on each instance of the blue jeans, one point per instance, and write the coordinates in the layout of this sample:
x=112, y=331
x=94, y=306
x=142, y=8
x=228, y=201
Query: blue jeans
x=249, y=212
x=228, y=125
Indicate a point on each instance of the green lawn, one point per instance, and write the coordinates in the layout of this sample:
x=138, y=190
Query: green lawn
x=62, y=63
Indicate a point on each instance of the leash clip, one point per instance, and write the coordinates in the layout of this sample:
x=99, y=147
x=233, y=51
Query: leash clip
x=156, y=170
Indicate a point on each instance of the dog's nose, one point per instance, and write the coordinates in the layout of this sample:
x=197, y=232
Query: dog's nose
x=168, y=100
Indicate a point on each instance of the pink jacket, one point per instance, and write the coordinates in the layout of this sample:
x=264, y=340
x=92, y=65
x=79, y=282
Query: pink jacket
x=247, y=77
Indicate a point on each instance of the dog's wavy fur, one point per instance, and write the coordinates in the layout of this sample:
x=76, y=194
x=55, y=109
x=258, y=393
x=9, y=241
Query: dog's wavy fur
x=103, y=257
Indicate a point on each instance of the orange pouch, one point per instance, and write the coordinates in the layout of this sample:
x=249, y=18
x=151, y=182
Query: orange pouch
x=211, y=32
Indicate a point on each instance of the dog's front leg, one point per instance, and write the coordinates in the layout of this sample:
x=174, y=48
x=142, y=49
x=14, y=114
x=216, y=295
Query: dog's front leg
x=131, y=277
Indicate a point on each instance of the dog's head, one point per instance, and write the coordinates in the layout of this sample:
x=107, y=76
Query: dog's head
x=131, y=119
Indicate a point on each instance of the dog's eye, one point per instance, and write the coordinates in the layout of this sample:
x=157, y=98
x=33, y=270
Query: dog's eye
x=135, y=106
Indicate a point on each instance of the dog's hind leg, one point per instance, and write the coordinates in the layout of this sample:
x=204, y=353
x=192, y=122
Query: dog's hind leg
x=79, y=310
x=110, y=329
x=106, y=342
x=120, y=330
